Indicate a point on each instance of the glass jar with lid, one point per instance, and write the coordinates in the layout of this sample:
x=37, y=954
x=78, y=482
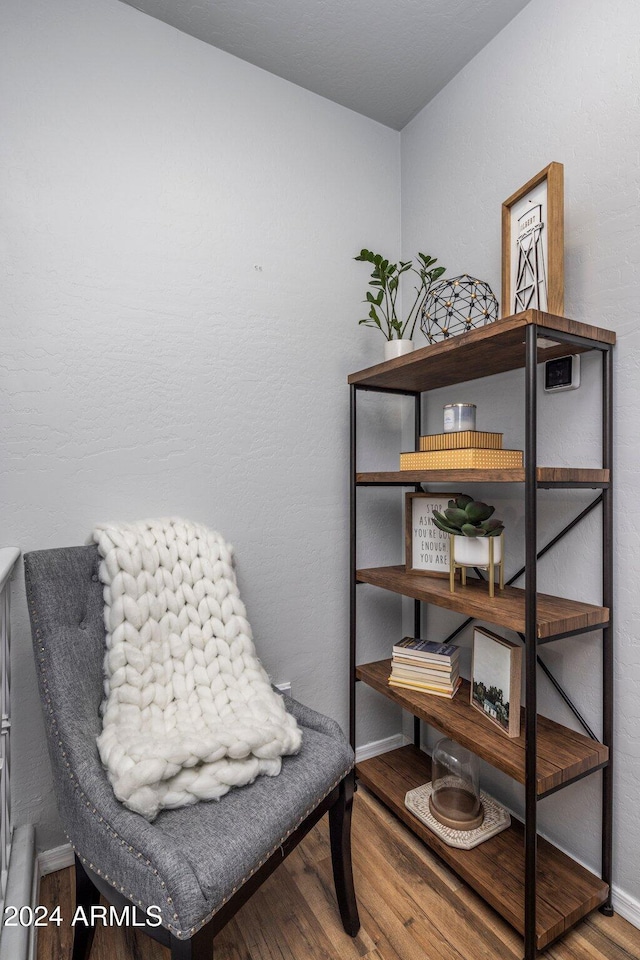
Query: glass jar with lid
x=459, y=416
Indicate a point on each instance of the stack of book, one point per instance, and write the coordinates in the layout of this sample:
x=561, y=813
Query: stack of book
x=426, y=666
x=461, y=450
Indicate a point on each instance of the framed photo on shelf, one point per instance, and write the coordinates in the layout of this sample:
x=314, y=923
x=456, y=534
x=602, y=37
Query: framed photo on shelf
x=496, y=672
x=426, y=547
x=533, y=245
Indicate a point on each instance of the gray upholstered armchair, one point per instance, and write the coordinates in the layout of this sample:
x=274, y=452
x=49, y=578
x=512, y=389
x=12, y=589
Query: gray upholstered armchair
x=197, y=864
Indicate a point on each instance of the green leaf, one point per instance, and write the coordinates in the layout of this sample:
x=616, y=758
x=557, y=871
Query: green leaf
x=455, y=516
x=462, y=501
x=477, y=511
x=442, y=524
x=437, y=273
x=469, y=530
x=492, y=527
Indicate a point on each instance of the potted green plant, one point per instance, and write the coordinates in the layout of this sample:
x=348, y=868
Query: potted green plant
x=476, y=536
x=385, y=280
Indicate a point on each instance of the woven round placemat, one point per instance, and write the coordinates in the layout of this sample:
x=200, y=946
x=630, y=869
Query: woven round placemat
x=496, y=819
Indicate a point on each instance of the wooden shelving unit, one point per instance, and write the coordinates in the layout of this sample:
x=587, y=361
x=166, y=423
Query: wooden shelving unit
x=556, y=616
x=483, y=352
x=546, y=477
x=563, y=754
x=539, y=890
x=566, y=892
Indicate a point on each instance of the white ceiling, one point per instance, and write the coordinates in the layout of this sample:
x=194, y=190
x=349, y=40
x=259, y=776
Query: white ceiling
x=385, y=59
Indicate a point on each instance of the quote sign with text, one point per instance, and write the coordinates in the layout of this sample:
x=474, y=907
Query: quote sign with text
x=427, y=546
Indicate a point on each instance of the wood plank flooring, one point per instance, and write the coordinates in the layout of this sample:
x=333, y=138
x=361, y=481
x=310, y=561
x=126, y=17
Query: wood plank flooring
x=411, y=907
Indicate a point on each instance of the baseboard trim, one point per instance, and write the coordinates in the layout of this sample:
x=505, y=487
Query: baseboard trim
x=376, y=747
x=59, y=858
x=626, y=905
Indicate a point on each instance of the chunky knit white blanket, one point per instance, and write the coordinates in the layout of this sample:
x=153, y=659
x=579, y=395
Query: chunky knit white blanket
x=188, y=711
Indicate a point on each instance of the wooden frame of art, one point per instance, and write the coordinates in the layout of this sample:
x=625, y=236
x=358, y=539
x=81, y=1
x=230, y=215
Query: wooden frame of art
x=533, y=245
x=426, y=547
x=496, y=673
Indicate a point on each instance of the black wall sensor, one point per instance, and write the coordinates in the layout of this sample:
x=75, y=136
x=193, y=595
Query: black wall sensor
x=562, y=374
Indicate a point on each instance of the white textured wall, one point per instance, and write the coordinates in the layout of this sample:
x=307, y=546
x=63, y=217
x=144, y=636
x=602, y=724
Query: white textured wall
x=147, y=367
x=559, y=83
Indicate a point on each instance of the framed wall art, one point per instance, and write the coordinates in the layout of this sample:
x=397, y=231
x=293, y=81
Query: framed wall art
x=496, y=672
x=427, y=548
x=533, y=245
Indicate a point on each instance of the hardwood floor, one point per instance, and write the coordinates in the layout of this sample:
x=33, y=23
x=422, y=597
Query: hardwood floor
x=411, y=907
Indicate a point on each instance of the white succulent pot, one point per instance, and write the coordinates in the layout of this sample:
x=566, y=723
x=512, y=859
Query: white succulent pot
x=474, y=551
x=397, y=348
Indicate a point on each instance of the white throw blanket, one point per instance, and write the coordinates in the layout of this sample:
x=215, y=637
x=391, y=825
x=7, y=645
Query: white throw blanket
x=189, y=711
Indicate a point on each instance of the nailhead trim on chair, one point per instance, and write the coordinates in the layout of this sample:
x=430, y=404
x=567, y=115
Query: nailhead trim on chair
x=176, y=931
x=182, y=934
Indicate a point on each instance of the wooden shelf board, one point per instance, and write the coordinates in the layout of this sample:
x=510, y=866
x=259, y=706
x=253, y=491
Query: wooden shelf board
x=563, y=754
x=482, y=352
x=566, y=892
x=564, y=475
x=555, y=615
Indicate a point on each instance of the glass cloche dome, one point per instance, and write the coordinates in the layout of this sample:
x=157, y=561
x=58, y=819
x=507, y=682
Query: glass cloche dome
x=455, y=798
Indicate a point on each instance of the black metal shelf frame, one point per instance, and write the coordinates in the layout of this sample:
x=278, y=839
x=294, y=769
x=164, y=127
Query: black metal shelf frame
x=531, y=656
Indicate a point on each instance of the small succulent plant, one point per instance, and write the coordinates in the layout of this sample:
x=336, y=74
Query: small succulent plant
x=466, y=517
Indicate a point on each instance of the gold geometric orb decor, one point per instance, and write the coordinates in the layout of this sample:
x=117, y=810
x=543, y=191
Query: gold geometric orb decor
x=456, y=306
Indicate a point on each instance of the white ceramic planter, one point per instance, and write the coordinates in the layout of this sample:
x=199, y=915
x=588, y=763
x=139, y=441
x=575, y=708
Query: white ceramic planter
x=397, y=348
x=474, y=551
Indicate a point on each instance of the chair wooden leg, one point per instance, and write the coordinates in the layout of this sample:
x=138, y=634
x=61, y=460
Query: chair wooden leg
x=87, y=896
x=340, y=835
x=199, y=947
